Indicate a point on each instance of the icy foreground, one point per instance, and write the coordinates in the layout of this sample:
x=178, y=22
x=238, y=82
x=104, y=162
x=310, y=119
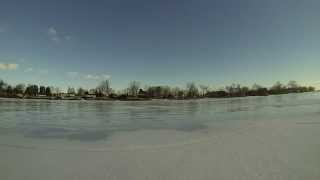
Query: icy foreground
x=277, y=149
x=258, y=138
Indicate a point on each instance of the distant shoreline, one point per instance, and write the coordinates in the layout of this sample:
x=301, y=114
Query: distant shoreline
x=138, y=99
x=134, y=91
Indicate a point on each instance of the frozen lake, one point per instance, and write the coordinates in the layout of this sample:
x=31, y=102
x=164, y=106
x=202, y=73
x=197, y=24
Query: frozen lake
x=274, y=137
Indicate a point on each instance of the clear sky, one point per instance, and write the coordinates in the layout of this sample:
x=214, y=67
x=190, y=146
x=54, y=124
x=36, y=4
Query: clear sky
x=168, y=42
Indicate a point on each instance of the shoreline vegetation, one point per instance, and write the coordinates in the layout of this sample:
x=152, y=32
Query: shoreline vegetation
x=134, y=91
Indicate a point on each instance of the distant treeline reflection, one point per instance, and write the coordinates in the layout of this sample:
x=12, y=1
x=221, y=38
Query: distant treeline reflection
x=134, y=91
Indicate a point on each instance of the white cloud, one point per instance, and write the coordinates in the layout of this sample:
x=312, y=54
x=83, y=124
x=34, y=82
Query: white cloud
x=73, y=74
x=56, y=36
x=28, y=69
x=53, y=35
x=55, y=39
x=9, y=67
x=38, y=72
x=52, y=31
x=97, y=77
x=90, y=76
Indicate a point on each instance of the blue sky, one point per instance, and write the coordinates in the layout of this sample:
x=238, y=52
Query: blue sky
x=72, y=43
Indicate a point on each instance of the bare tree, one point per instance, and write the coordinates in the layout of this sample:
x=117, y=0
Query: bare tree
x=244, y=91
x=192, y=90
x=133, y=88
x=231, y=89
x=204, y=89
x=293, y=84
x=48, y=91
x=277, y=86
x=256, y=87
x=19, y=89
x=71, y=90
x=104, y=88
x=2, y=85
x=235, y=90
x=56, y=90
x=42, y=90
x=175, y=91
x=166, y=91
x=81, y=92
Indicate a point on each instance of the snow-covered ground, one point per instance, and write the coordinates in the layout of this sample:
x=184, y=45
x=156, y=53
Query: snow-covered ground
x=249, y=150
x=253, y=138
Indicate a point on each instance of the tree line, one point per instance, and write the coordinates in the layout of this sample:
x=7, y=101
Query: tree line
x=135, y=91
